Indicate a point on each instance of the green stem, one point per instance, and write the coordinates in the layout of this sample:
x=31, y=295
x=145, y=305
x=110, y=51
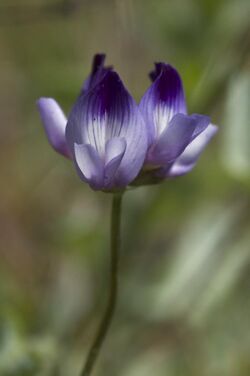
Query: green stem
x=114, y=258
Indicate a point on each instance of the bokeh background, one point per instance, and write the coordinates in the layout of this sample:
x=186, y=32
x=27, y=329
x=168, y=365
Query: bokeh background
x=184, y=304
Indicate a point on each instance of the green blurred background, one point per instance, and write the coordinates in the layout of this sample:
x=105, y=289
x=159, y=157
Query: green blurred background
x=184, y=305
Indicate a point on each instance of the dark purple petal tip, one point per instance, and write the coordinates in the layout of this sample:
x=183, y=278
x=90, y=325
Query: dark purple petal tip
x=155, y=73
x=98, y=62
x=110, y=94
x=98, y=71
x=168, y=86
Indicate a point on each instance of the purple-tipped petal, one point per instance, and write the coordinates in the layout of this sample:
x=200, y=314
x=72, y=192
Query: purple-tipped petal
x=114, y=152
x=90, y=165
x=105, y=112
x=164, y=99
x=181, y=130
x=97, y=72
x=155, y=72
x=54, y=122
x=187, y=160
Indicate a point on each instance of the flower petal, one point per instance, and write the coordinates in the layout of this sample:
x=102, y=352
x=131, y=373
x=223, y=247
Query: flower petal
x=181, y=131
x=54, y=122
x=115, y=149
x=187, y=160
x=164, y=99
x=90, y=165
x=97, y=72
x=105, y=112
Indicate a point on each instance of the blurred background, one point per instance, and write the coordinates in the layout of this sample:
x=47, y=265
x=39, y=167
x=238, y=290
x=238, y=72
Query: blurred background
x=184, y=304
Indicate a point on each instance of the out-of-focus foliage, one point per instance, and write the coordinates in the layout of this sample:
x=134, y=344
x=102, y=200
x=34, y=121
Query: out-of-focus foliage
x=184, y=302
x=236, y=150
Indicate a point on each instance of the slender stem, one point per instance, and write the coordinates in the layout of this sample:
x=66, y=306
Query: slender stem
x=114, y=258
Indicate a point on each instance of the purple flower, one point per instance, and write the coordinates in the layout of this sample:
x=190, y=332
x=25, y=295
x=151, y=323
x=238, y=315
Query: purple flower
x=105, y=134
x=109, y=137
x=176, y=139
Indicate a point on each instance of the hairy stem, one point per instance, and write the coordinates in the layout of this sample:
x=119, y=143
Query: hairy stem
x=113, y=286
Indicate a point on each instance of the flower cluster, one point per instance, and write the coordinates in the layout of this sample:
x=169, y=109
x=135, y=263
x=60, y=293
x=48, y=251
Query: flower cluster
x=113, y=142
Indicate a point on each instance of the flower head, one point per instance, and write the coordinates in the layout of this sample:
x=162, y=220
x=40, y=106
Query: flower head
x=105, y=134
x=109, y=138
x=176, y=139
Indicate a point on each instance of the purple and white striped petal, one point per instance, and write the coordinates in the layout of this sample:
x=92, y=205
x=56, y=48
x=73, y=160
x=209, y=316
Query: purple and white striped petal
x=164, y=99
x=107, y=112
x=54, y=122
x=181, y=130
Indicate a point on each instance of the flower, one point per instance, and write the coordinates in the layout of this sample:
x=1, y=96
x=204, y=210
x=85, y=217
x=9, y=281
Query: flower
x=176, y=139
x=105, y=134
x=109, y=138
